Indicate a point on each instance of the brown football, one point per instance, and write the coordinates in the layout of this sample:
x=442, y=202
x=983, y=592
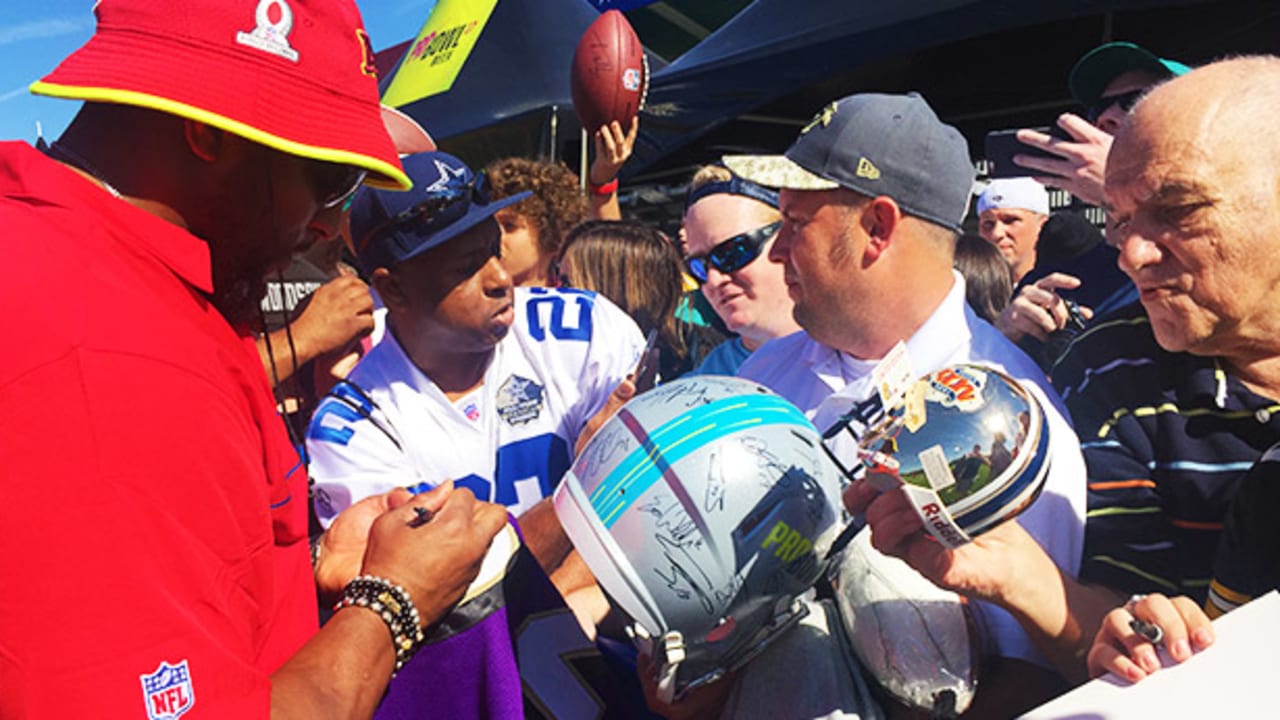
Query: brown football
x=609, y=77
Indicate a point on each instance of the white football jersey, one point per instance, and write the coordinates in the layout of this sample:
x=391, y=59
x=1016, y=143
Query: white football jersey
x=510, y=441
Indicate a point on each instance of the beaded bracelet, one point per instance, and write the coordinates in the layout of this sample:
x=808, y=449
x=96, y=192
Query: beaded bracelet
x=393, y=604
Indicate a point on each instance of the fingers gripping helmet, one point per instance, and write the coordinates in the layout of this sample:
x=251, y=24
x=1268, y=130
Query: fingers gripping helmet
x=968, y=432
x=704, y=508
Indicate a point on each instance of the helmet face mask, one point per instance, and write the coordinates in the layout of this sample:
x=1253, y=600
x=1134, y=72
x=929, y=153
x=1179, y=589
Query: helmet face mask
x=705, y=508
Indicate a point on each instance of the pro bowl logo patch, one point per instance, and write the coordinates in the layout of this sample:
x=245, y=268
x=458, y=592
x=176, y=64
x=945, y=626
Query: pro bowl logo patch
x=168, y=692
x=958, y=387
x=631, y=79
x=519, y=400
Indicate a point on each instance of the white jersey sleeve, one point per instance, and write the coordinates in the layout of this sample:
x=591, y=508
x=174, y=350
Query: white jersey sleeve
x=353, y=452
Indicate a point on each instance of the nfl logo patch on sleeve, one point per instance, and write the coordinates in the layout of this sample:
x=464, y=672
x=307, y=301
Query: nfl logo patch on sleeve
x=167, y=691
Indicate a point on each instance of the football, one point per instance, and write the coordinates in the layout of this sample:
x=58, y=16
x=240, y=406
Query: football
x=610, y=76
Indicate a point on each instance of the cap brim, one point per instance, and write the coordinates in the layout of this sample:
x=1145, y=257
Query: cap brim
x=1093, y=72
x=775, y=171
x=163, y=74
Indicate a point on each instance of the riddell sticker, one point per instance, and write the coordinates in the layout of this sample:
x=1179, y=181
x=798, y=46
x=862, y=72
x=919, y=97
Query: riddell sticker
x=937, y=521
x=936, y=470
x=631, y=79
x=958, y=387
x=893, y=376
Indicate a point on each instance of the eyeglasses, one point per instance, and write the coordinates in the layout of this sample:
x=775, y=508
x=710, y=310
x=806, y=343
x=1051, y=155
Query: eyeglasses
x=733, y=254
x=1126, y=101
x=337, y=183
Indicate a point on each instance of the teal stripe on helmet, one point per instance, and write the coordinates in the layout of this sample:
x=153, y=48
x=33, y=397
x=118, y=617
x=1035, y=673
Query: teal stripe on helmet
x=678, y=438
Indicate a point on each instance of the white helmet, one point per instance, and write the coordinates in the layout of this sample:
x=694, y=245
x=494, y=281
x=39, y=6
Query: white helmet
x=705, y=508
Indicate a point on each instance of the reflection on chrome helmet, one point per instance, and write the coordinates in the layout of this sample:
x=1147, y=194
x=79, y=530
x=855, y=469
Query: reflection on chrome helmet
x=969, y=432
x=704, y=508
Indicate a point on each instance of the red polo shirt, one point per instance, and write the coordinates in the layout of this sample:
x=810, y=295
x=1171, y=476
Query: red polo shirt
x=152, y=511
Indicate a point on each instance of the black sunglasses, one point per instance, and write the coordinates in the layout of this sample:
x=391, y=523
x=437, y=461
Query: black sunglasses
x=1126, y=101
x=441, y=207
x=733, y=254
x=336, y=183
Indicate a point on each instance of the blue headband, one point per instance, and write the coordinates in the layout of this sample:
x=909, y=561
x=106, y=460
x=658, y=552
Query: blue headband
x=733, y=186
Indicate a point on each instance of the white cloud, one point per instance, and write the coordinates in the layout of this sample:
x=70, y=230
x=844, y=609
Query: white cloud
x=40, y=29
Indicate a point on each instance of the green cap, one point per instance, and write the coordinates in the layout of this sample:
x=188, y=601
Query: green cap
x=1093, y=72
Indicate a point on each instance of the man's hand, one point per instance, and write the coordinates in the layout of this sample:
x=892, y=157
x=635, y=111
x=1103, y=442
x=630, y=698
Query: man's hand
x=1084, y=162
x=985, y=568
x=1038, y=310
x=336, y=314
x=613, y=149
x=435, y=561
x=705, y=702
x=1118, y=649
x=343, y=545
x=619, y=397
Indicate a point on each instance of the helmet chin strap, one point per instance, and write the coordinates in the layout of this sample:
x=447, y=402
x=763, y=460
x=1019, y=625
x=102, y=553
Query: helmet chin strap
x=673, y=655
x=666, y=657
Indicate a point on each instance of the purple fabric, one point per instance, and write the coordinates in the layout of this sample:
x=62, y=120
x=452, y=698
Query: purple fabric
x=470, y=675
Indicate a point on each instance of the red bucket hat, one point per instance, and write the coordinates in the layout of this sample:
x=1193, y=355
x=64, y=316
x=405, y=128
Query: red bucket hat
x=294, y=75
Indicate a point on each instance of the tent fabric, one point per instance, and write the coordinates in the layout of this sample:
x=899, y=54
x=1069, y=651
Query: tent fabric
x=767, y=51
x=774, y=47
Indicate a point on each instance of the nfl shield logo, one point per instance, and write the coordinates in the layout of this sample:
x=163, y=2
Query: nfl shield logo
x=167, y=691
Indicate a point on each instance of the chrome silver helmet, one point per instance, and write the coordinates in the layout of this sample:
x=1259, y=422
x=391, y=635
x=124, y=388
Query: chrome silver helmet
x=705, y=508
x=970, y=433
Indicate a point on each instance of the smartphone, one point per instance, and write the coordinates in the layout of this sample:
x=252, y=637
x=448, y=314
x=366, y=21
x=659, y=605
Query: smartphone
x=1002, y=145
x=646, y=372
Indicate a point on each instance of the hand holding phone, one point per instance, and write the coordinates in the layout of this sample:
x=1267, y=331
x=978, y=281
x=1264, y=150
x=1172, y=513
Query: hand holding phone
x=646, y=372
x=1001, y=145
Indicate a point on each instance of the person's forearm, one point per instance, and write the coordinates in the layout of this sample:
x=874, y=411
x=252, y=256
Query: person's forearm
x=1061, y=615
x=544, y=536
x=606, y=207
x=342, y=672
x=288, y=356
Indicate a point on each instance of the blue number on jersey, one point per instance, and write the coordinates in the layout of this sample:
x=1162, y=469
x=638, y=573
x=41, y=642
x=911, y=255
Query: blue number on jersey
x=545, y=457
x=349, y=405
x=542, y=296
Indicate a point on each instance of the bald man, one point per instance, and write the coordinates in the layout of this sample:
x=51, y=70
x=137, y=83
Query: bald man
x=1174, y=399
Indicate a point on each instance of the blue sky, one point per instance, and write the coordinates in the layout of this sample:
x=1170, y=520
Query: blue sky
x=34, y=36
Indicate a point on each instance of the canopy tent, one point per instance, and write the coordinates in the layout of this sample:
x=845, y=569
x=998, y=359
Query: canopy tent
x=750, y=84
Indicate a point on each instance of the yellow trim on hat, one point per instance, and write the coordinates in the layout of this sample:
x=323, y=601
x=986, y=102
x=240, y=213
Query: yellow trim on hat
x=387, y=175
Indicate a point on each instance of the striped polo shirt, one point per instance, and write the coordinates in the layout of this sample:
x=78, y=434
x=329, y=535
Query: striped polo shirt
x=1166, y=438
x=1248, y=562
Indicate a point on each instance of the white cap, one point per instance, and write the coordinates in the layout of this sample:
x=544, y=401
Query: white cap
x=1021, y=193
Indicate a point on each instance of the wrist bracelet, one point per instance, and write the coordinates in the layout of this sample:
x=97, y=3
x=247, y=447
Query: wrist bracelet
x=393, y=604
x=605, y=189
x=314, y=542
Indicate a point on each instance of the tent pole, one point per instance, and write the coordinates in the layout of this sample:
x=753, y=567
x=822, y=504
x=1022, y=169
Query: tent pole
x=555, y=118
x=582, y=160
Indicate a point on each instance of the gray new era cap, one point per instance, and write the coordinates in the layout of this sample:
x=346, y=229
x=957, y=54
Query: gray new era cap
x=875, y=144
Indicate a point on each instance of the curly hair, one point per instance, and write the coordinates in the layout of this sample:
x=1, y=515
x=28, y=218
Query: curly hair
x=557, y=204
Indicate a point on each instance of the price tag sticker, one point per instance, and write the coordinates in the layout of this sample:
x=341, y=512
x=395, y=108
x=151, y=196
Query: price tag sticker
x=893, y=376
x=936, y=469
